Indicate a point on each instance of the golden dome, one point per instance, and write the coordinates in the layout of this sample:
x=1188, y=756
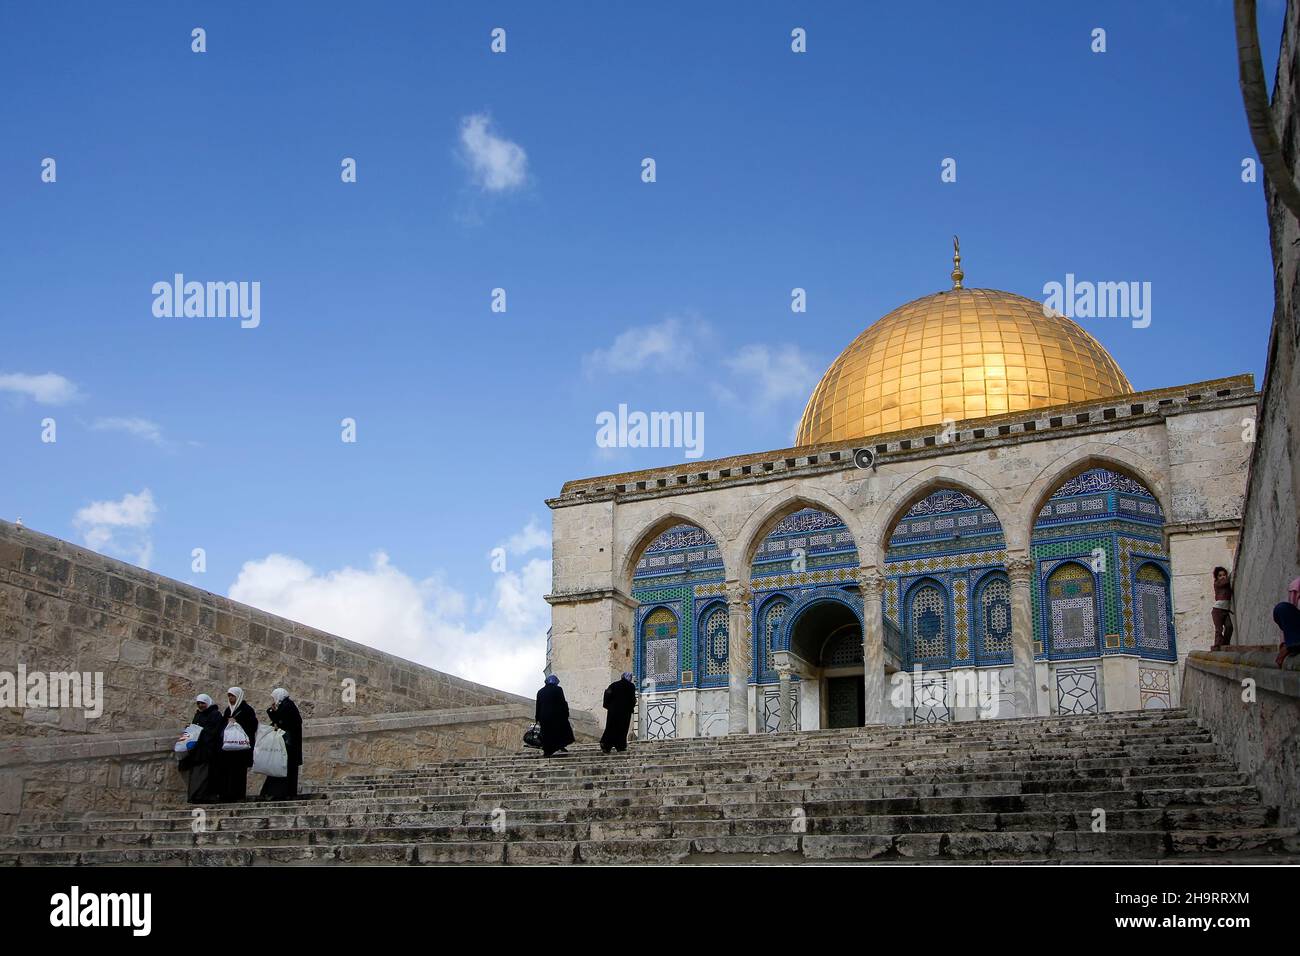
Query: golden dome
x=963, y=353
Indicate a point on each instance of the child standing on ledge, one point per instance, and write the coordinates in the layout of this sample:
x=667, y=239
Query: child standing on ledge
x=1221, y=615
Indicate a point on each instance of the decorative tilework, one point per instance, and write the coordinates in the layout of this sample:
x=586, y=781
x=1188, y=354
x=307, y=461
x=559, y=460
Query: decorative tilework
x=661, y=718
x=961, y=625
x=1076, y=690
x=772, y=707
x=773, y=614
x=1107, y=511
x=659, y=640
x=1153, y=688
x=994, y=622
x=930, y=699
x=1071, y=593
x=821, y=539
x=1152, y=593
x=927, y=617
x=944, y=517
x=714, y=652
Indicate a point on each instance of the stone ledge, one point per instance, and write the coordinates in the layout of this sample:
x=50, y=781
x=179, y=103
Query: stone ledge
x=1254, y=661
x=26, y=752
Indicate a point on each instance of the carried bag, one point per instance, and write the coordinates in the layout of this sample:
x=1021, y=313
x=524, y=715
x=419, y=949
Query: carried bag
x=191, y=738
x=234, y=738
x=533, y=736
x=271, y=755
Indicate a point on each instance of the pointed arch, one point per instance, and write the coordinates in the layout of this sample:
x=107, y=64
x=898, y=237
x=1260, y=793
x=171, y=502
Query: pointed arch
x=647, y=532
x=1075, y=462
x=772, y=511
x=925, y=483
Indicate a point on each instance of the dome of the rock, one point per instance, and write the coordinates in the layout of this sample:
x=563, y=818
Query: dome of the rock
x=953, y=355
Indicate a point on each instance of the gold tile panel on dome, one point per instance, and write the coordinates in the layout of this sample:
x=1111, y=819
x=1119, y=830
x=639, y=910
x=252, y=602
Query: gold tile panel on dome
x=954, y=355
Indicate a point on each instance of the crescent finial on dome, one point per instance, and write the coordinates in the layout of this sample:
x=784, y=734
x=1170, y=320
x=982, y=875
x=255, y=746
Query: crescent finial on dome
x=957, y=274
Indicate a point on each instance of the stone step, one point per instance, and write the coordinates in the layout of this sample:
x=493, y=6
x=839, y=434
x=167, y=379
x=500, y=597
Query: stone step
x=617, y=767
x=414, y=812
x=1184, y=763
x=663, y=752
x=982, y=792
x=1176, y=776
x=1019, y=845
x=509, y=830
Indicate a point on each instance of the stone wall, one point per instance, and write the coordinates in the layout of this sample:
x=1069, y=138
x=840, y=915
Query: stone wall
x=1258, y=725
x=45, y=779
x=1270, y=545
x=158, y=643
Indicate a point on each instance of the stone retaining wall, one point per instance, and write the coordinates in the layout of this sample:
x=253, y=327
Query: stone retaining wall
x=47, y=779
x=1263, y=735
x=1269, y=556
x=159, y=642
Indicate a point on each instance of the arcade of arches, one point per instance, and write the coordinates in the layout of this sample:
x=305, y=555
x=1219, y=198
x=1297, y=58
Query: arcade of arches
x=1099, y=589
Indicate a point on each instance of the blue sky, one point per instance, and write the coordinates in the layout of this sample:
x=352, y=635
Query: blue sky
x=522, y=171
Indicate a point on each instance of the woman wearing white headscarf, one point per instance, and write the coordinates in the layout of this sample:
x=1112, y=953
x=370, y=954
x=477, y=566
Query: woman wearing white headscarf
x=235, y=763
x=202, y=762
x=285, y=716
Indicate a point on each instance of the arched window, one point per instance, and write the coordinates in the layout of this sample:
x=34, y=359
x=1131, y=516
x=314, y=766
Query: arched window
x=1072, y=610
x=1151, y=593
x=659, y=647
x=994, y=617
x=772, y=618
x=928, y=622
x=714, y=634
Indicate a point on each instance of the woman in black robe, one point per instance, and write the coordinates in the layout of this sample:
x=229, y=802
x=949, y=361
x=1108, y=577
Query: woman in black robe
x=620, y=701
x=285, y=716
x=201, y=762
x=553, y=717
x=234, y=764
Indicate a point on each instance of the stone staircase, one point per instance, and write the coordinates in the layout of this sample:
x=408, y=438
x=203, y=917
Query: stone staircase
x=988, y=791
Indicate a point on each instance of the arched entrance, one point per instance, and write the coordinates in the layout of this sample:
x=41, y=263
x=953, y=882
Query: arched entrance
x=823, y=647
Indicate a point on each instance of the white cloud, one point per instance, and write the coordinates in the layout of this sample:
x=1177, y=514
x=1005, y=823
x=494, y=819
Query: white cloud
x=141, y=428
x=501, y=643
x=529, y=539
x=772, y=375
x=671, y=342
x=120, y=527
x=45, y=389
x=496, y=163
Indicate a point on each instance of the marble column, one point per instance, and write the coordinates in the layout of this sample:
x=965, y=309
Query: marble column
x=1020, y=572
x=783, y=702
x=873, y=644
x=738, y=656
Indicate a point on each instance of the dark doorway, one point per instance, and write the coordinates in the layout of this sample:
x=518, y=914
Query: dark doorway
x=845, y=702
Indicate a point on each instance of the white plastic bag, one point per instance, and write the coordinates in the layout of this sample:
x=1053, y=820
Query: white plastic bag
x=234, y=738
x=271, y=756
x=190, y=738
